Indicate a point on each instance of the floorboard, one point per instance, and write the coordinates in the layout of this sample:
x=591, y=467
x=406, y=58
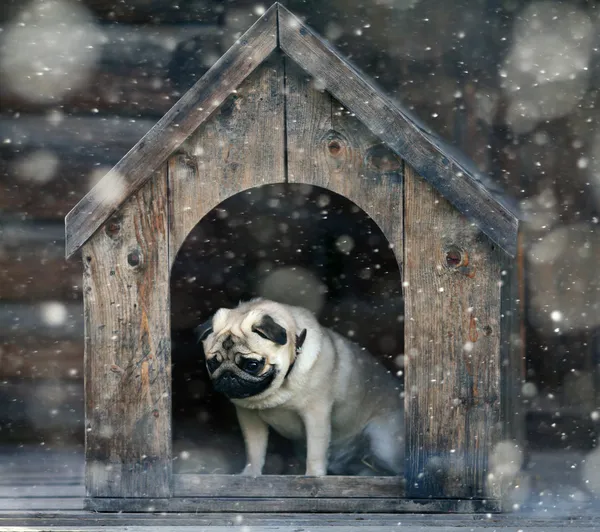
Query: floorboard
x=42, y=490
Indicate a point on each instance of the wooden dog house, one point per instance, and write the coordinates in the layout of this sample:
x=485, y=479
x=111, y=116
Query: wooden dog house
x=282, y=106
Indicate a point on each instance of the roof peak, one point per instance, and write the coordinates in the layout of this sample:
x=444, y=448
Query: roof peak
x=454, y=175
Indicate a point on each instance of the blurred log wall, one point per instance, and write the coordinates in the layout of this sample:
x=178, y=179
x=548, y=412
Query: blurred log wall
x=445, y=60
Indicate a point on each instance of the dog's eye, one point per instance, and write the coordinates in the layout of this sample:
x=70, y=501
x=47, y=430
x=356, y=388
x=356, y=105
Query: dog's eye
x=212, y=364
x=261, y=334
x=251, y=365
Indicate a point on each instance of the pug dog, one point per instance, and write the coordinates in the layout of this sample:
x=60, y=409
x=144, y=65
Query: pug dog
x=282, y=369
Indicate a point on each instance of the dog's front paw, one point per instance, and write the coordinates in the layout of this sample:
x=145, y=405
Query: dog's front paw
x=316, y=470
x=251, y=471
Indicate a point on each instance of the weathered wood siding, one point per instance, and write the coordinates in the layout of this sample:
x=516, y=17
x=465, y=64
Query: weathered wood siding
x=329, y=148
x=454, y=176
x=452, y=340
x=241, y=146
x=128, y=349
x=172, y=129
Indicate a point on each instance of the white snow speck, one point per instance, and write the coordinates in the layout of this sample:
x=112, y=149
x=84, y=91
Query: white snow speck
x=54, y=314
x=556, y=315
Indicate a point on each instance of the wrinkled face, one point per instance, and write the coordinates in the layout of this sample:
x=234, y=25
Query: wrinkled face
x=245, y=352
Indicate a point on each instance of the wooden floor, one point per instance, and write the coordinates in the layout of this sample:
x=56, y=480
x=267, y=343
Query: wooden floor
x=42, y=490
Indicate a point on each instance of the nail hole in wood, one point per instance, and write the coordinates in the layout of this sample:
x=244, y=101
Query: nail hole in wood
x=113, y=228
x=454, y=257
x=134, y=258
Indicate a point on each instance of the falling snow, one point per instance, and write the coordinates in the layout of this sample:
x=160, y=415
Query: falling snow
x=513, y=84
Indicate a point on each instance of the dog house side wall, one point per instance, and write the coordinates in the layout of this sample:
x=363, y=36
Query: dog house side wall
x=452, y=347
x=128, y=349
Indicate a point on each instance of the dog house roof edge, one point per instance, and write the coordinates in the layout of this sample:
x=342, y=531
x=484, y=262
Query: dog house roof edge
x=453, y=174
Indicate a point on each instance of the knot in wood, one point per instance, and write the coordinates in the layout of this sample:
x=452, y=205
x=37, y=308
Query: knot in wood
x=336, y=145
x=134, y=258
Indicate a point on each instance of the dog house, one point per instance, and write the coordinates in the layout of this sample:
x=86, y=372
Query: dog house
x=282, y=106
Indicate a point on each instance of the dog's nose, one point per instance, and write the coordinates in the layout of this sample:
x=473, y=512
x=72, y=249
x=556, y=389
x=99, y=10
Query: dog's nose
x=227, y=343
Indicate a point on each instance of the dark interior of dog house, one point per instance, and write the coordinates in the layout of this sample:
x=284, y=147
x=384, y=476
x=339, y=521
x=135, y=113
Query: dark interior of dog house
x=295, y=244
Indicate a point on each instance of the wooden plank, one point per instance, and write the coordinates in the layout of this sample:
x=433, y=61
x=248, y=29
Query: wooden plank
x=155, y=12
x=292, y=526
x=32, y=264
x=46, y=319
x=79, y=521
x=454, y=176
x=22, y=195
x=240, y=147
x=142, y=91
x=170, y=132
x=141, y=69
x=18, y=234
x=35, y=358
x=193, y=485
x=140, y=12
x=57, y=490
x=329, y=148
x=35, y=462
x=299, y=505
x=288, y=522
x=52, y=406
x=452, y=343
x=22, y=481
x=41, y=503
x=33, y=275
x=128, y=350
x=96, y=139
x=512, y=347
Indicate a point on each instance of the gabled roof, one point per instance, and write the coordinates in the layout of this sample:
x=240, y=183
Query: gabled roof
x=450, y=172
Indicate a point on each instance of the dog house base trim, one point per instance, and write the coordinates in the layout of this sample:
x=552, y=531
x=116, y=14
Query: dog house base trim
x=364, y=505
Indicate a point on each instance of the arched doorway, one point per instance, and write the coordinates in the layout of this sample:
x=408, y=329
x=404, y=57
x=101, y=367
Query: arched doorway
x=296, y=244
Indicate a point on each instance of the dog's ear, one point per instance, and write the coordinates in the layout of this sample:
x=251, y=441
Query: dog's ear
x=300, y=339
x=268, y=329
x=203, y=330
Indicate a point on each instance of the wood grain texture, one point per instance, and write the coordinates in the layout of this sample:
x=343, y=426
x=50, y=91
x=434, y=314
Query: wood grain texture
x=329, y=148
x=240, y=147
x=76, y=521
x=166, y=136
x=452, y=346
x=127, y=350
x=512, y=346
x=453, y=175
x=35, y=504
x=299, y=505
x=193, y=485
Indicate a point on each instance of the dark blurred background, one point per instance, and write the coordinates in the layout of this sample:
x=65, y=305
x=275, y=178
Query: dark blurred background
x=512, y=83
